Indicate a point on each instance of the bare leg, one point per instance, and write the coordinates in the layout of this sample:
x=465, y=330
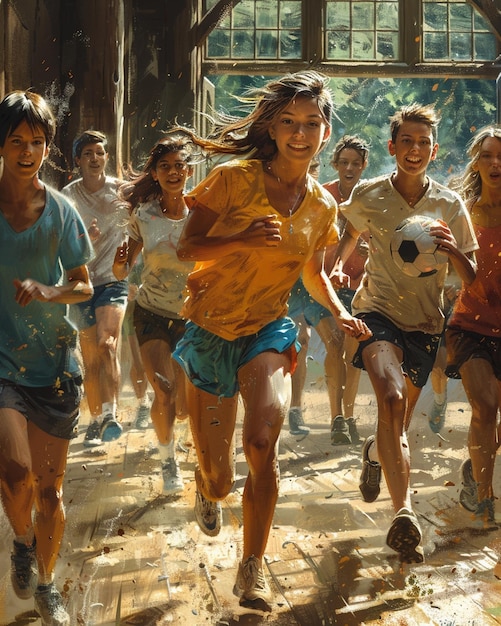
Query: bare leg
x=382, y=361
x=299, y=376
x=352, y=377
x=335, y=368
x=17, y=482
x=49, y=456
x=108, y=331
x=160, y=371
x=266, y=389
x=483, y=391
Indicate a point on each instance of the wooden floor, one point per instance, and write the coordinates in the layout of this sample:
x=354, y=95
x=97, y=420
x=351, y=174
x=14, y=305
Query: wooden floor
x=131, y=556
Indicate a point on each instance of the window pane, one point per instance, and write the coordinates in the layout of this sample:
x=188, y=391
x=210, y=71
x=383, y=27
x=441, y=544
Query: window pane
x=243, y=44
x=218, y=44
x=480, y=23
x=460, y=17
x=266, y=14
x=243, y=14
x=363, y=15
x=435, y=16
x=266, y=42
x=290, y=44
x=338, y=15
x=363, y=45
x=484, y=44
x=387, y=15
x=290, y=14
x=387, y=46
x=435, y=45
x=338, y=45
x=461, y=46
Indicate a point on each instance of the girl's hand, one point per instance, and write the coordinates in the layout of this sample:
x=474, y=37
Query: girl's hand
x=28, y=290
x=354, y=327
x=263, y=231
x=93, y=230
x=120, y=268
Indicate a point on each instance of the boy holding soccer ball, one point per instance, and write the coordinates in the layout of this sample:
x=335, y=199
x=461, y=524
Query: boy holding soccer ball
x=405, y=314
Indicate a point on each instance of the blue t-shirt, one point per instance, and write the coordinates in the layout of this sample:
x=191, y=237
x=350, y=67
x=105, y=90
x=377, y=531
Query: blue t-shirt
x=37, y=341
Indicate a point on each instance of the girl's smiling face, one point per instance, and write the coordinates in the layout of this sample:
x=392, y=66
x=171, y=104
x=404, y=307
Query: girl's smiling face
x=300, y=130
x=24, y=151
x=171, y=171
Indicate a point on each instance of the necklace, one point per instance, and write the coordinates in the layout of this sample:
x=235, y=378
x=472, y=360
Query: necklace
x=299, y=195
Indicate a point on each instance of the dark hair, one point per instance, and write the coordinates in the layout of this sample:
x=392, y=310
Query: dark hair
x=249, y=135
x=142, y=186
x=19, y=106
x=422, y=114
x=350, y=142
x=86, y=138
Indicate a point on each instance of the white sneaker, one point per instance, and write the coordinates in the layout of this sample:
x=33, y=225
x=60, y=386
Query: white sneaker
x=49, y=604
x=171, y=474
x=208, y=515
x=251, y=585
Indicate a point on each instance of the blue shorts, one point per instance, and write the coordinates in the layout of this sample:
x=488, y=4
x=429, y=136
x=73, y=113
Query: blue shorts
x=301, y=303
x=419, y=349
x=212, y=363
x=54, y=409
x=110, y=294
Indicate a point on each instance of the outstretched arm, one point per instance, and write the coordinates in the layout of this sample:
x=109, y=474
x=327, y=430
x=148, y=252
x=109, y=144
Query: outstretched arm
x=319, y=286
x=77, y=289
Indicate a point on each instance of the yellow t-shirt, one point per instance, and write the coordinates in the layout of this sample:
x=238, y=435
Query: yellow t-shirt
x=238, y=294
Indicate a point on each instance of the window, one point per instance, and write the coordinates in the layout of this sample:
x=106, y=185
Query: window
x=453, y=31
x=258, y=29
x=362, y=31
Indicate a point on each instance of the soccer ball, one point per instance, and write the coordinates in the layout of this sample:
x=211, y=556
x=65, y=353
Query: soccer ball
x=413, y=249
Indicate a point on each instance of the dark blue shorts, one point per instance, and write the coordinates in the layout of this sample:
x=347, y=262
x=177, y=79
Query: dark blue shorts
x=212, y=363
x=54, y=409
x=419, y=349
x=110, y=294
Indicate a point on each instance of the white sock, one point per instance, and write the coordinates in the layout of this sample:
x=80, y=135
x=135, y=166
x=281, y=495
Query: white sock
x=166, y=451
x=440, y=398
x=372, y=453
x=109, y=407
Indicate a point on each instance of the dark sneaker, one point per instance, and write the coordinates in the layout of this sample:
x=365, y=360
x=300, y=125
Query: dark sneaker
x=251, y=585
x=208, y=515
x=110, y=429
x=405, y=537
x=142, y=420
x=485, y=510
x=468, y=496
x=49, y=604
x=93, y=435
x=352, y=428
x=370, y=477
x=340, y=434
x=436, y=418
x=296, y=422
x=24, y=571
x=171, y=474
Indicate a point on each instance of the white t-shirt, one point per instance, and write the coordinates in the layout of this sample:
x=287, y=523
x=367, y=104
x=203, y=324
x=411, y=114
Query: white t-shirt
x=410, y=303
x=163, y=279
x=111, y=215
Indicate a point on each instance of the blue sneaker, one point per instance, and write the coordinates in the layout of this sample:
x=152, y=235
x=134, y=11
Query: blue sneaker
x=110, y=429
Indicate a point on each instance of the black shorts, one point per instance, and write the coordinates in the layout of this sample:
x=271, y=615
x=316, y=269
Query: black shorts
x=150, y=326
x=54, y=409
x=419, y=349
x=463, y=345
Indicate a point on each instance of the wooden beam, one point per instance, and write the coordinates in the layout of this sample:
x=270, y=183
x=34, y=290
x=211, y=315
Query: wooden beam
x=491, y=10
x=211, y=19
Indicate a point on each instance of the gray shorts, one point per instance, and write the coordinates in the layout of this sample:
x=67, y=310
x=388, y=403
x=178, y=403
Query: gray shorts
x=55, y=410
